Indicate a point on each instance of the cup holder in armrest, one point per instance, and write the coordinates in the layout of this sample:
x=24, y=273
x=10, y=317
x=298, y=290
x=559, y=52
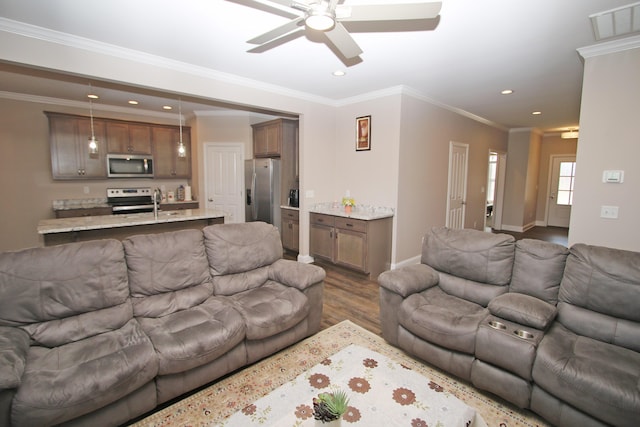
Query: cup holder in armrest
x=523, y=334
x=497, y=325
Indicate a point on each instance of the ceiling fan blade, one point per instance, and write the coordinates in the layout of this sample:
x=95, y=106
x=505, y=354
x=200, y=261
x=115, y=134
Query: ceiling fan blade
x=277, y=32
x=278, y=42
x=343, y=41
x=391, y=12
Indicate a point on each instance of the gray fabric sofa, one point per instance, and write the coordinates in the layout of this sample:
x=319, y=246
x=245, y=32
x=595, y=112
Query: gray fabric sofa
x=549, y=329
x=100, y=332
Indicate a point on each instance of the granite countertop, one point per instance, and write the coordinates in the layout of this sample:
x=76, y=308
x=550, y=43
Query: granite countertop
x=68, y=204
x=65, y=225
x=293, y=208
x=364, y=212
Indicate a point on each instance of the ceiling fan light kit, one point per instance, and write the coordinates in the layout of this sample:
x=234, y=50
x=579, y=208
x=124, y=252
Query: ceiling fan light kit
x=320, y=19
x=327, y=17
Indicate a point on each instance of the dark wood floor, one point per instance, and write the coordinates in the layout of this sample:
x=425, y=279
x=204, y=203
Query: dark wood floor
x=352, y=296
x=557, y=235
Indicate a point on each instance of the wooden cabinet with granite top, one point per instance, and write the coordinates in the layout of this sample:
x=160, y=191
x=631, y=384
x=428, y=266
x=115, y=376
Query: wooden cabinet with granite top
x=362, y=245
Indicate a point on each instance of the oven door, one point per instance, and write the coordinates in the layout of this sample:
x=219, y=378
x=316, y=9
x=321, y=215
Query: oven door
x=129, y=166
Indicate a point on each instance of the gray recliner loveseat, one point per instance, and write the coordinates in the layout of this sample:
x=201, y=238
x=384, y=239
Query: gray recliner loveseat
x=100, y=332
x=552, y=330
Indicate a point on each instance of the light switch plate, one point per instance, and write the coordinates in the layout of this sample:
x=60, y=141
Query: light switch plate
x=610, y=212
x=613, y=176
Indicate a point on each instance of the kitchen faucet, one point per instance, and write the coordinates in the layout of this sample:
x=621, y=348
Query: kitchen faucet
x=157, y=197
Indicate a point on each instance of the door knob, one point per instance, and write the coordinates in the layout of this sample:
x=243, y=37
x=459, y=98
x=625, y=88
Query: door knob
x=210, y=199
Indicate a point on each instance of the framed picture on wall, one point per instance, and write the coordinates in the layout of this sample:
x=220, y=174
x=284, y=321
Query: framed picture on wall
x=363, y=133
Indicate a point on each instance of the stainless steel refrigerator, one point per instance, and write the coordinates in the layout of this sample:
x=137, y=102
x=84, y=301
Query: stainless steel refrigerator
x=262, y=190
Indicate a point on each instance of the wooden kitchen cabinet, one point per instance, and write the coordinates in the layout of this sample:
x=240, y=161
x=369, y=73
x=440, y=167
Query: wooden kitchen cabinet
x=128, y=138
x=167, y=164
x=69, y=142
x=362, y=245
x=290, y=229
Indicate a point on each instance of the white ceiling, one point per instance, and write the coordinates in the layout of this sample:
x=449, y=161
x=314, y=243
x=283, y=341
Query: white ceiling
x=477, y=49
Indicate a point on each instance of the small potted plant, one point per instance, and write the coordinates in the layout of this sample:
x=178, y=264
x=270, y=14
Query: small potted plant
x=348, y=204
x=328, y=408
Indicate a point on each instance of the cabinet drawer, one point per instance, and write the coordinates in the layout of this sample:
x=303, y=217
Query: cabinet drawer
x=291, y=214
x=321, y=219
x=351, y=224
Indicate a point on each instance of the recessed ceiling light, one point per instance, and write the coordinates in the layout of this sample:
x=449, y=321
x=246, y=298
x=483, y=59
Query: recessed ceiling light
x=133, y=102
x=93, y=96
x=537, y=113
x=507, y=92
x=339, y=73
x=167, y=107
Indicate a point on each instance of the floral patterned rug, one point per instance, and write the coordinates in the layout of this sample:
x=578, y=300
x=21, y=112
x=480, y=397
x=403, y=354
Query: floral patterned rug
x=217, y=404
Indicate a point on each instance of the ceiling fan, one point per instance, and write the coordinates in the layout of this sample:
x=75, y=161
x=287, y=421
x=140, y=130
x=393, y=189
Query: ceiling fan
x=327, y=16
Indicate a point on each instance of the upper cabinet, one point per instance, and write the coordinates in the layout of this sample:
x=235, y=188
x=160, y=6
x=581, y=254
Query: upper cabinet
x=128, y=138
x=272, y=138
x=70, y=158
x=167, y=163
x=69, y=140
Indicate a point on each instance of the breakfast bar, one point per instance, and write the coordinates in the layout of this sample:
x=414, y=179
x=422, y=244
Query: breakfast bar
x=67, y=230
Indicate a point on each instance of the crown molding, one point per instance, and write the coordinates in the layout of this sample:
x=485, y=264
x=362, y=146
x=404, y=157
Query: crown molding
x=415, y=94
x=613, y=46
x=76, y=42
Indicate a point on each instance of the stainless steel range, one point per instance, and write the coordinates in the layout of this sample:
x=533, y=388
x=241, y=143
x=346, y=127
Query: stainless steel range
x=130, y=200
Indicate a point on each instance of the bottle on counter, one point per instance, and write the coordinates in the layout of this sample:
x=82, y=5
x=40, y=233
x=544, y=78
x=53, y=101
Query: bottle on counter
x=180, y=193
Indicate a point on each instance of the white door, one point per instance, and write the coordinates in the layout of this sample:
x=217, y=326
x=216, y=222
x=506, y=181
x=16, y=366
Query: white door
x=457, y=190
x=223, y=175
x=563, y=171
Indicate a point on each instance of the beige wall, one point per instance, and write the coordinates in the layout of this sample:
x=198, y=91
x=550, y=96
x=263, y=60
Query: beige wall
x=521, y=186
x=426, y=131
x=609, y=139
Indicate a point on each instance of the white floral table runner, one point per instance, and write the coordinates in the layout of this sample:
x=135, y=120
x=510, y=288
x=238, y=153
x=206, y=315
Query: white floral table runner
x=381, y=391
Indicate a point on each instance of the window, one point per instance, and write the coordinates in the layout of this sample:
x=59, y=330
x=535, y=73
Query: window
x=565, y=183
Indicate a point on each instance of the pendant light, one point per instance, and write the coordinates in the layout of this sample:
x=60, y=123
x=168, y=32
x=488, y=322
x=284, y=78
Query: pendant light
x=93, y=142
x=182, y=150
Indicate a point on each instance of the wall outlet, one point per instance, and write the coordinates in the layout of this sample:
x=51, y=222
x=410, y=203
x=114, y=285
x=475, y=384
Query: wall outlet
x=86, y=189
x=309, y=194
x=610, y=212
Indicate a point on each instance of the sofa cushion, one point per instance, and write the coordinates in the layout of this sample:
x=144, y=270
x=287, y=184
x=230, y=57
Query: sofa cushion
x=271, y=309
x=470, y=254
x=190, y=338
x=237, y=248
x=598, y=378
x=168, y=272
x=600, y=295
x=442, y=319
x=523, y=309
x=65, y=382
x=65, y=293
x=538, y=268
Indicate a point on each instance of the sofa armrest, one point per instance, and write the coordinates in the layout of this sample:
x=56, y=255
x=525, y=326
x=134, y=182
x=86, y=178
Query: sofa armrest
x=14, y=345
x=523, y=309
x=296, y=274
x=409, y=280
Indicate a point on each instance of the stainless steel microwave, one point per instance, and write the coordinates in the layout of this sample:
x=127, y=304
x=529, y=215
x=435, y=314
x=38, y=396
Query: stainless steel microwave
x=129, y=166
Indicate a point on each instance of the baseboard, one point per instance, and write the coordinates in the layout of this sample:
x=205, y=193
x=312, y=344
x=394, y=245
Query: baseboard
x=518, y=228
x=305, y=259
x=404, y=263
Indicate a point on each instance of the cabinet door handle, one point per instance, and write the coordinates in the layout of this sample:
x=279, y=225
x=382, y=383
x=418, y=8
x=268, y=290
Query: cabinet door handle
x=349, y=225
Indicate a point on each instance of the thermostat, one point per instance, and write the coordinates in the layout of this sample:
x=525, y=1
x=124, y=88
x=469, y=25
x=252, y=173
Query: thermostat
x=613, y=177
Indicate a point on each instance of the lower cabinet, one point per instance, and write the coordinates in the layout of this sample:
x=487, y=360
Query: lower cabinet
x=290, y=229
x=362, y=245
